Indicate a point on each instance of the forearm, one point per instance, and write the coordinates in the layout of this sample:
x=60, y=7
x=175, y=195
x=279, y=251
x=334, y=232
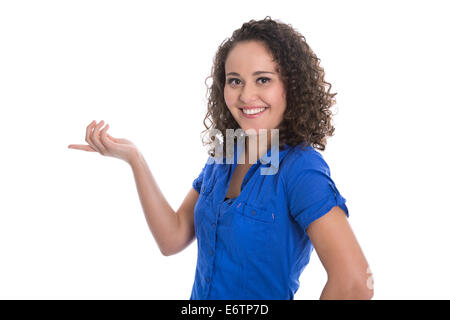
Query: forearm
x=161, y=218
x=335, y=291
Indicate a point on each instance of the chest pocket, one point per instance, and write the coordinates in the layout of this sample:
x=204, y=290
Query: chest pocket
x=257, y=214
x=255, y=237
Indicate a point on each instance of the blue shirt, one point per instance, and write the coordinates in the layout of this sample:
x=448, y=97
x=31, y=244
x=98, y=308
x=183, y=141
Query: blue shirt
x=255, y=247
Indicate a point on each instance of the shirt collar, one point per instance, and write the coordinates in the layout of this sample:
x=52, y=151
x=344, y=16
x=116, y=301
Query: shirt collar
x=266, y=160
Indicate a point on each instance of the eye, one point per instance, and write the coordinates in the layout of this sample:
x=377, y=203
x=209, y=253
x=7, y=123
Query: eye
x=264, y=79
x=230, y=81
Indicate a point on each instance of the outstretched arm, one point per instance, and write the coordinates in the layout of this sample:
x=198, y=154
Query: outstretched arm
x=173, y=231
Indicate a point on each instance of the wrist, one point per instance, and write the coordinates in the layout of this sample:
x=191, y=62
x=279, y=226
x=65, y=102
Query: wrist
x=134, y=159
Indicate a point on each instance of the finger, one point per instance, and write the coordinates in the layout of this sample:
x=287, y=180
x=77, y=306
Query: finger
x=88, y=135
x=82, y=147
x=95, y=138
x=118, y=140
x=106, y=142
x=112, y=138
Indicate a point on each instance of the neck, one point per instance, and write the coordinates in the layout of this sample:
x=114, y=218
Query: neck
x=254, y=147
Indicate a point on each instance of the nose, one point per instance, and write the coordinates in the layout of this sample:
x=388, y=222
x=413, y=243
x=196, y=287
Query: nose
x=248, y=94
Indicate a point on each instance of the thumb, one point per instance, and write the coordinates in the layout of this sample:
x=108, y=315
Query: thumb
x=112, y=138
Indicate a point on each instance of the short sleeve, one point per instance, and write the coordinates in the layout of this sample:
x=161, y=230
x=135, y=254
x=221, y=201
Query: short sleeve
x=197, y=183
x=311, y=193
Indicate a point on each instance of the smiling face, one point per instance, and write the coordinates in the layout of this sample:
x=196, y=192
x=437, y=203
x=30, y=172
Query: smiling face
x=253, y=84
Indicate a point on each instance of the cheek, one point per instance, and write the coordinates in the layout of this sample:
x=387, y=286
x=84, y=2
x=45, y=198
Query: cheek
x=229, y=97
x=278, y=101
x=276, y=98
x=281, y=96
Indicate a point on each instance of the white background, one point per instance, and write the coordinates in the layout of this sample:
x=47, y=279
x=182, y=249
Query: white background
x=71, y=224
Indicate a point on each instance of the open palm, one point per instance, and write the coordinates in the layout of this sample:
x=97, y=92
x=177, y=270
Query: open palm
x=100, y=141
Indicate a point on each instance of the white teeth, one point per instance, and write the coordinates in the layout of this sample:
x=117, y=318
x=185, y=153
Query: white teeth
x=252, y=111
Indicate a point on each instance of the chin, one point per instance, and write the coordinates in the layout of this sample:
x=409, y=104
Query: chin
x=256, y=129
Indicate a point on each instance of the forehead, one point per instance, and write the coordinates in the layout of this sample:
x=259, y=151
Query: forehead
x=247, y=57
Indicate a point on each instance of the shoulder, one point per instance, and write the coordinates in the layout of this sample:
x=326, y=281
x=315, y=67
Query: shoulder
x=300, y=159
x=212, y=168
x=203, y=179
x=310, y=190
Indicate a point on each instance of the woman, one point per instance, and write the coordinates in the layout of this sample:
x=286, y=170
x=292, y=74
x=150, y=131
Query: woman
x=255, y=232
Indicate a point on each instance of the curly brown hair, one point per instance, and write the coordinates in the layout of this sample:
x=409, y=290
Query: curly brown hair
x=307, y=119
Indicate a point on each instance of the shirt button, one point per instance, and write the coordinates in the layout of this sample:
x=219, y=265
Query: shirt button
x=253, y=212
x=211, y=252
x=213, y=225
x=207, y=279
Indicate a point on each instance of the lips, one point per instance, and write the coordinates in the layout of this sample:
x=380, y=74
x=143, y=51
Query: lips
x=252, y=116
x=252, y=107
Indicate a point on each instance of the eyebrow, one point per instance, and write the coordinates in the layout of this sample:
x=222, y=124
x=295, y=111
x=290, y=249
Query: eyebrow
x=254, y=73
